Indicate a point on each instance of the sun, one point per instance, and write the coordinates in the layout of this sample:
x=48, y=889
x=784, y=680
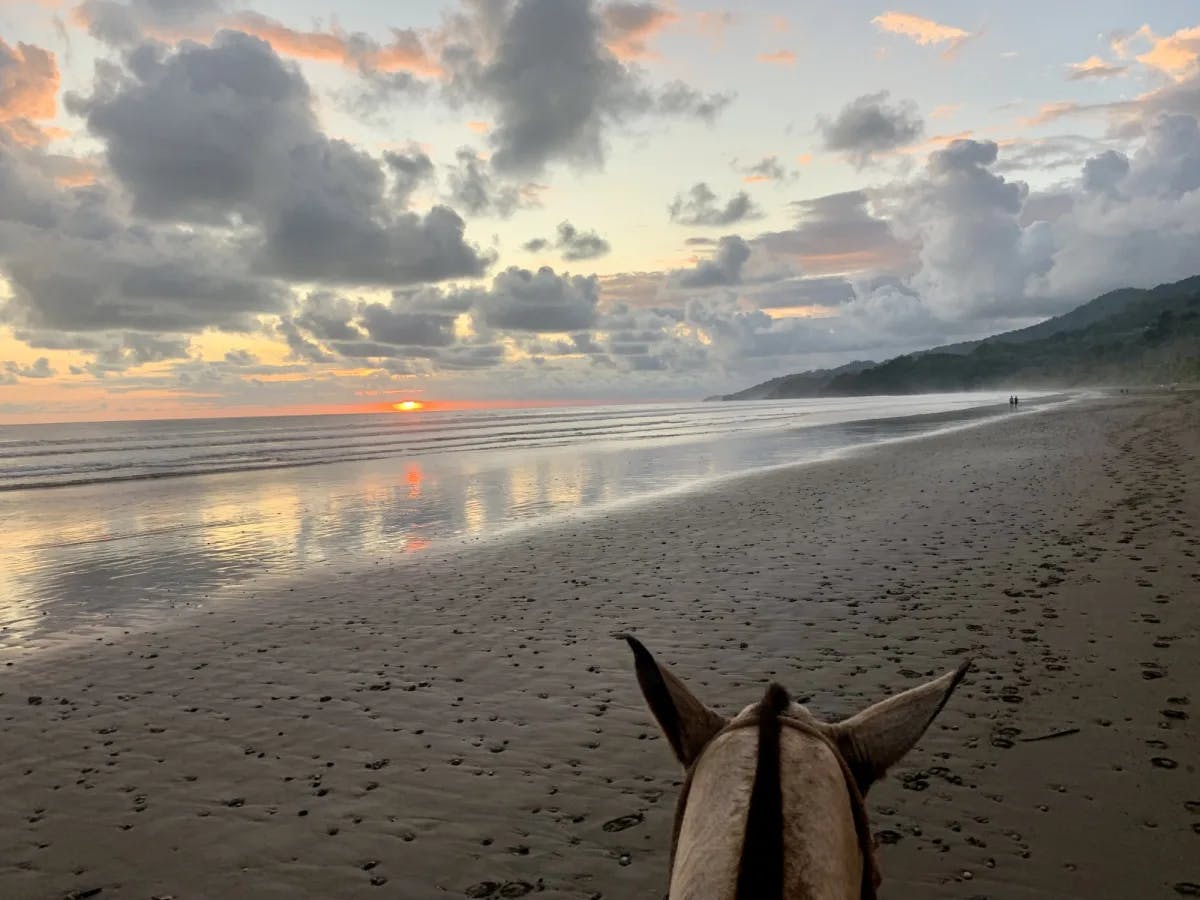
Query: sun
x=408, y=406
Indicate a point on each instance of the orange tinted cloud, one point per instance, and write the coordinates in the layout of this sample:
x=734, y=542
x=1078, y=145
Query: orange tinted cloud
x=479, y=127
x=405, y=53
x=778, y=58
x=804, y=159
x=945, y=111
x=810, y=311
x=924, y=31
x=1178, y=54
x=76, y=173
x=628, y=27
x=1050, y=112
x=29, y=82
x=714, y=24
x=1094, y=67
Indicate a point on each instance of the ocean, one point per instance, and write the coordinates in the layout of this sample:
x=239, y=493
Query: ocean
x=116, y=525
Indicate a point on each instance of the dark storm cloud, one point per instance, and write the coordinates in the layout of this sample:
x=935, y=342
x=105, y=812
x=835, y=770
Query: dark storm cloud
x=300, y=347
x=475, y=356
x=86, y=271
x=724, y=269
x=542, y=301
x=554, y=85
x=327, y=317
x=699, y=206
x=869, y=125
x=207, y=133
x=393, y=326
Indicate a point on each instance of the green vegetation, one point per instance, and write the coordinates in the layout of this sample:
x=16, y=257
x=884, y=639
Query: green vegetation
x=1127, y=337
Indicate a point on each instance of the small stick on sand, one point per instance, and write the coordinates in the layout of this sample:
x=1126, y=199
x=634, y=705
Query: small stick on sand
x=1053, y=734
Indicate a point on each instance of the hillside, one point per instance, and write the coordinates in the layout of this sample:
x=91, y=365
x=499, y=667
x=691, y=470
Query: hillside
x=802, y=384
x=1129, y=336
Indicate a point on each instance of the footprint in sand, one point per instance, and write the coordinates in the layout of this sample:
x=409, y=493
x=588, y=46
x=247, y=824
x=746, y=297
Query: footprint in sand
x=622, y=822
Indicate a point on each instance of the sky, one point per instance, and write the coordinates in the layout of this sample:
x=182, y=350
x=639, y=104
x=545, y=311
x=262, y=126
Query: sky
x=218, y=207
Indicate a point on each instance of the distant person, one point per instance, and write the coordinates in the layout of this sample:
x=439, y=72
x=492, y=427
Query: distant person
x=1016, y=401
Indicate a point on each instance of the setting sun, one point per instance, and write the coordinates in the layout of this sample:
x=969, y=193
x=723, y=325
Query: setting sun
x=408, y=406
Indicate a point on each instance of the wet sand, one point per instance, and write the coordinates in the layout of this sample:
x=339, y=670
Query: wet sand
x=464, y=725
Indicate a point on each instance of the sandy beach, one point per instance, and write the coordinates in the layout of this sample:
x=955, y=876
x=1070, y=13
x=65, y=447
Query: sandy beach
x=462, y=724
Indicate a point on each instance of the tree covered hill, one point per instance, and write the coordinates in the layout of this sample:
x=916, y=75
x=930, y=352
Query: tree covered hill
x=1129, y=337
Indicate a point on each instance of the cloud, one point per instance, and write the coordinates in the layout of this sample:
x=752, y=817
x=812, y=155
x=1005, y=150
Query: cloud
x=778, y=58
x=241, y=358
x=679, y=99
x=405, y=53
x=628, y=27
x=925, y=32
x=29, y=83
x=1103, y=174
x=542, y=301
x=724, y=269
x=327, y=316
x=299, y=347
x=394, y=324
x=769, y=168
x=473, y=187
x=40, y=369
x=1177, y=55
x=225, y=132
x=868, y=125
x=409, y=171
x=1094, y=67
x=974, y=256
x=554, y=86
x=1138, y=222
x=838, y=233
x=715, y=23
x=699, y=206
x=126, y=24
x=572, y=243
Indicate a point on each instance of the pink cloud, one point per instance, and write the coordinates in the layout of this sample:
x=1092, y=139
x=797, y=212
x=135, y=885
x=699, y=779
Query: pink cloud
x=29, y=83
x=628, y=28
x=778, y=58
x=925, y=32
x=405, y=53
x=1094, y=67
x=1177, y=55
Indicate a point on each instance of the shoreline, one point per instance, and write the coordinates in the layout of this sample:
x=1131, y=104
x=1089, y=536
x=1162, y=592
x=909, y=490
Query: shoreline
x=466, y=719
x=457, y=544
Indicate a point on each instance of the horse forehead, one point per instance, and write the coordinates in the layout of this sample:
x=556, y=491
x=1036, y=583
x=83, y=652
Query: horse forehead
x=794, y=711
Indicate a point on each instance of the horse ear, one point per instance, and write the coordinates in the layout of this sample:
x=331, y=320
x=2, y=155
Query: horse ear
x=687, y=723
x=879, y=736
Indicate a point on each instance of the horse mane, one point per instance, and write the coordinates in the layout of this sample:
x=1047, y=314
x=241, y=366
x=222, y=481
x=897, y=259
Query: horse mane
x=760, y=869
